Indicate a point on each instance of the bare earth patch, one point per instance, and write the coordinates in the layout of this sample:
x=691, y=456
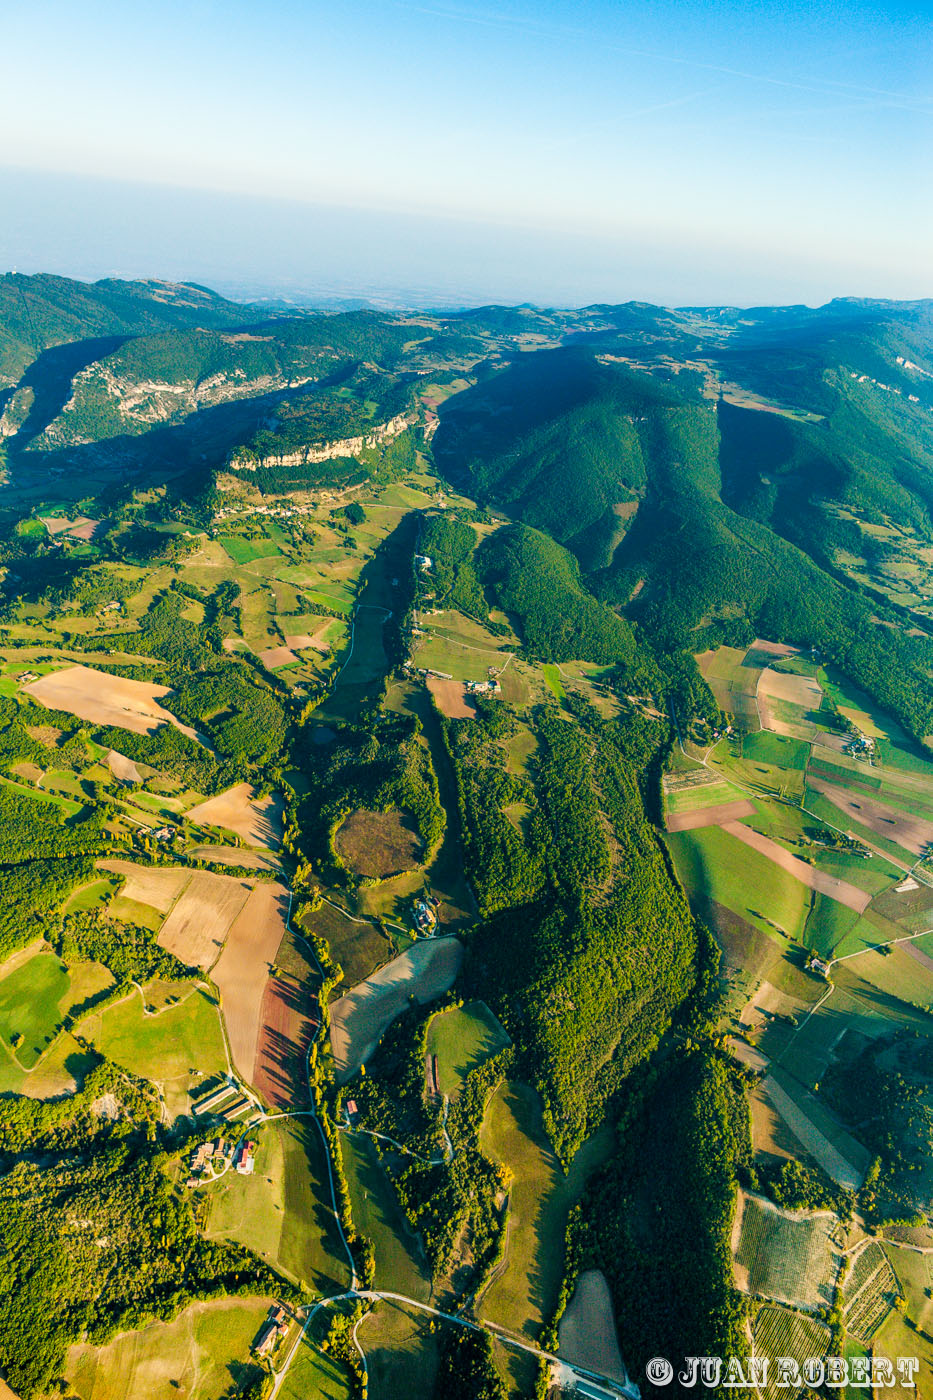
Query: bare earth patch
x=123, y=768
x=287, y=1024
x=452, y=698
x=257, y=820
x=275, y=657
x=841, y=890
x=359, y=1019
x=196, y=928
x=913, y=833
x=104, y=699
x=243, y=968
x=711, y=816
x=587, y=1330
x=377, y=844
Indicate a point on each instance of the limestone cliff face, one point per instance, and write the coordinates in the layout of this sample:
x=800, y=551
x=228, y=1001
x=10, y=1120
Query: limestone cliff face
x=342, y=447
x=104, y=404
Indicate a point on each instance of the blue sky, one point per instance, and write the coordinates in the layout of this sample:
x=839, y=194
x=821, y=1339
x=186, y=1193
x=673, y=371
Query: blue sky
x=549, y=151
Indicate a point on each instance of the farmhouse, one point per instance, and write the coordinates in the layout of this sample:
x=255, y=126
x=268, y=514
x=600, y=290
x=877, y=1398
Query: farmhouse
x=243, y=1159
x=424, y=915
x=275, y=1327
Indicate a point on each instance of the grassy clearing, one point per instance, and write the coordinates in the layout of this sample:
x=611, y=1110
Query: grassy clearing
x=765, y=747
x=377, y=844
x=35, y=997
x=554, y=682
x=93, y=895
x=462, y=1039
x=178, y=1048
x=280, y=1210
x=523, y=1294
x=191, y=1356
x=244, y=551
x=400, y=1267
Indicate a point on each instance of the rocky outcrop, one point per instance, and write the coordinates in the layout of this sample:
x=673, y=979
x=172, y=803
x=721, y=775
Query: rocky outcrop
x=323, y=452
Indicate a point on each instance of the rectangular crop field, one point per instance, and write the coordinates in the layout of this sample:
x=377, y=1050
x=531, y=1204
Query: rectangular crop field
x=196, y=928
x=789, y=1258
x=240, y=972
x=244, y=551
x=780, y=1332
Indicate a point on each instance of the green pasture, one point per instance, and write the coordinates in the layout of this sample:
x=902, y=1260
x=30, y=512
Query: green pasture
x=177, y=1048
x=701, y=795
x=193, y=1355
x=554, y=682
x=281, y=1211
x=714, y=865
x=313, y=1375
x=244, y=551
x=378, y=1216
x=462, y=1039
x=36, y=996
x=523, y=1293
x=464, y=663
x=765, y=747
x=828, y=923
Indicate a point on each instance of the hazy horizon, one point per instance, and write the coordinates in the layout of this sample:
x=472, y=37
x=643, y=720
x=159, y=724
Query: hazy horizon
x=449, y=153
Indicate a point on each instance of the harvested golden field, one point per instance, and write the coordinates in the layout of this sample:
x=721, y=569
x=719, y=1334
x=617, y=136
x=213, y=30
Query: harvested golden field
x=196, y=928
x=243, y=967
x=377, y=844
x=257, y=820
x=359, y=1019
x=235, y=855
x=123, y=768
x=157, y=886
x=274, y=657
x=104, y=699
x=452, y=698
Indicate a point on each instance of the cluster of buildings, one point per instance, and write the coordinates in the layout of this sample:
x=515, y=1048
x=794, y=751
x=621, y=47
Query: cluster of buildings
x=859, y=745
x=204, y=1155
x=159, y=833
x=272, y=1330
x=490, y=687
x=424, y=914
x=424, y=561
